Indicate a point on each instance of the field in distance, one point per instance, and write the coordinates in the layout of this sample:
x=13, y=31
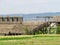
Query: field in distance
x=43, y=39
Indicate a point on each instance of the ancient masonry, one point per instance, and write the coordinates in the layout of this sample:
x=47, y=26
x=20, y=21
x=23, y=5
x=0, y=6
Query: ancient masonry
x=11, y=19
x=9, y=25
x=15, y=26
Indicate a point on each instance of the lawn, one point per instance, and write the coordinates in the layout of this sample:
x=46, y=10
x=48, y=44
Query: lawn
x=30, y=40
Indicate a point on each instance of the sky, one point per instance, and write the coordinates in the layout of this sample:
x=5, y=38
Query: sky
x=29, y=6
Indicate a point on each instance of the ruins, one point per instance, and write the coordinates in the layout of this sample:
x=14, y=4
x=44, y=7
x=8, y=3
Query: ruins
x=15, y=26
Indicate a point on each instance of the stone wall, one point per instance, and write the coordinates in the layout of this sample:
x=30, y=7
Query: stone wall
x=56, y=18
x=11, y=19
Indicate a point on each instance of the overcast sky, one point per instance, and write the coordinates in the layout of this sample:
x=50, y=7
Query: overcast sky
x=29, y=6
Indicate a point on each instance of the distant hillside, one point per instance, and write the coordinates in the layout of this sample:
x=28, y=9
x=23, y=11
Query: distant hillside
x=33, y=16
x=41, y=14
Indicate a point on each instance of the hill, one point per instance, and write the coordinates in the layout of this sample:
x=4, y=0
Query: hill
x=33, y=16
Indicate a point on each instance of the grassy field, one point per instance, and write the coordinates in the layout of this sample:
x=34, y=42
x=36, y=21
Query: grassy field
x=30, y=40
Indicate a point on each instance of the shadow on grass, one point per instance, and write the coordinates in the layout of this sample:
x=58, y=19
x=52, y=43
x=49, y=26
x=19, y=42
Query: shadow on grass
x=21, y=38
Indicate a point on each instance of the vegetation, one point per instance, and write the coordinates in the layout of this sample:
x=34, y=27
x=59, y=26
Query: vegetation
x=28, y=31
x=30, y=40
x=44, y=31
x=58, y=30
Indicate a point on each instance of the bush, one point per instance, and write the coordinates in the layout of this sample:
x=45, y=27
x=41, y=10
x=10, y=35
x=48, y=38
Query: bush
x=28, y=31
x=58, y=30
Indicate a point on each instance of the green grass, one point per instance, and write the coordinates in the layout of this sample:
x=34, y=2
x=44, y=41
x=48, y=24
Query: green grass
x=30, y=40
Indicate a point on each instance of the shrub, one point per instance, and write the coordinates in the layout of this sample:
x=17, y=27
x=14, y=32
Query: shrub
x=58, y=30
x=28, y=31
